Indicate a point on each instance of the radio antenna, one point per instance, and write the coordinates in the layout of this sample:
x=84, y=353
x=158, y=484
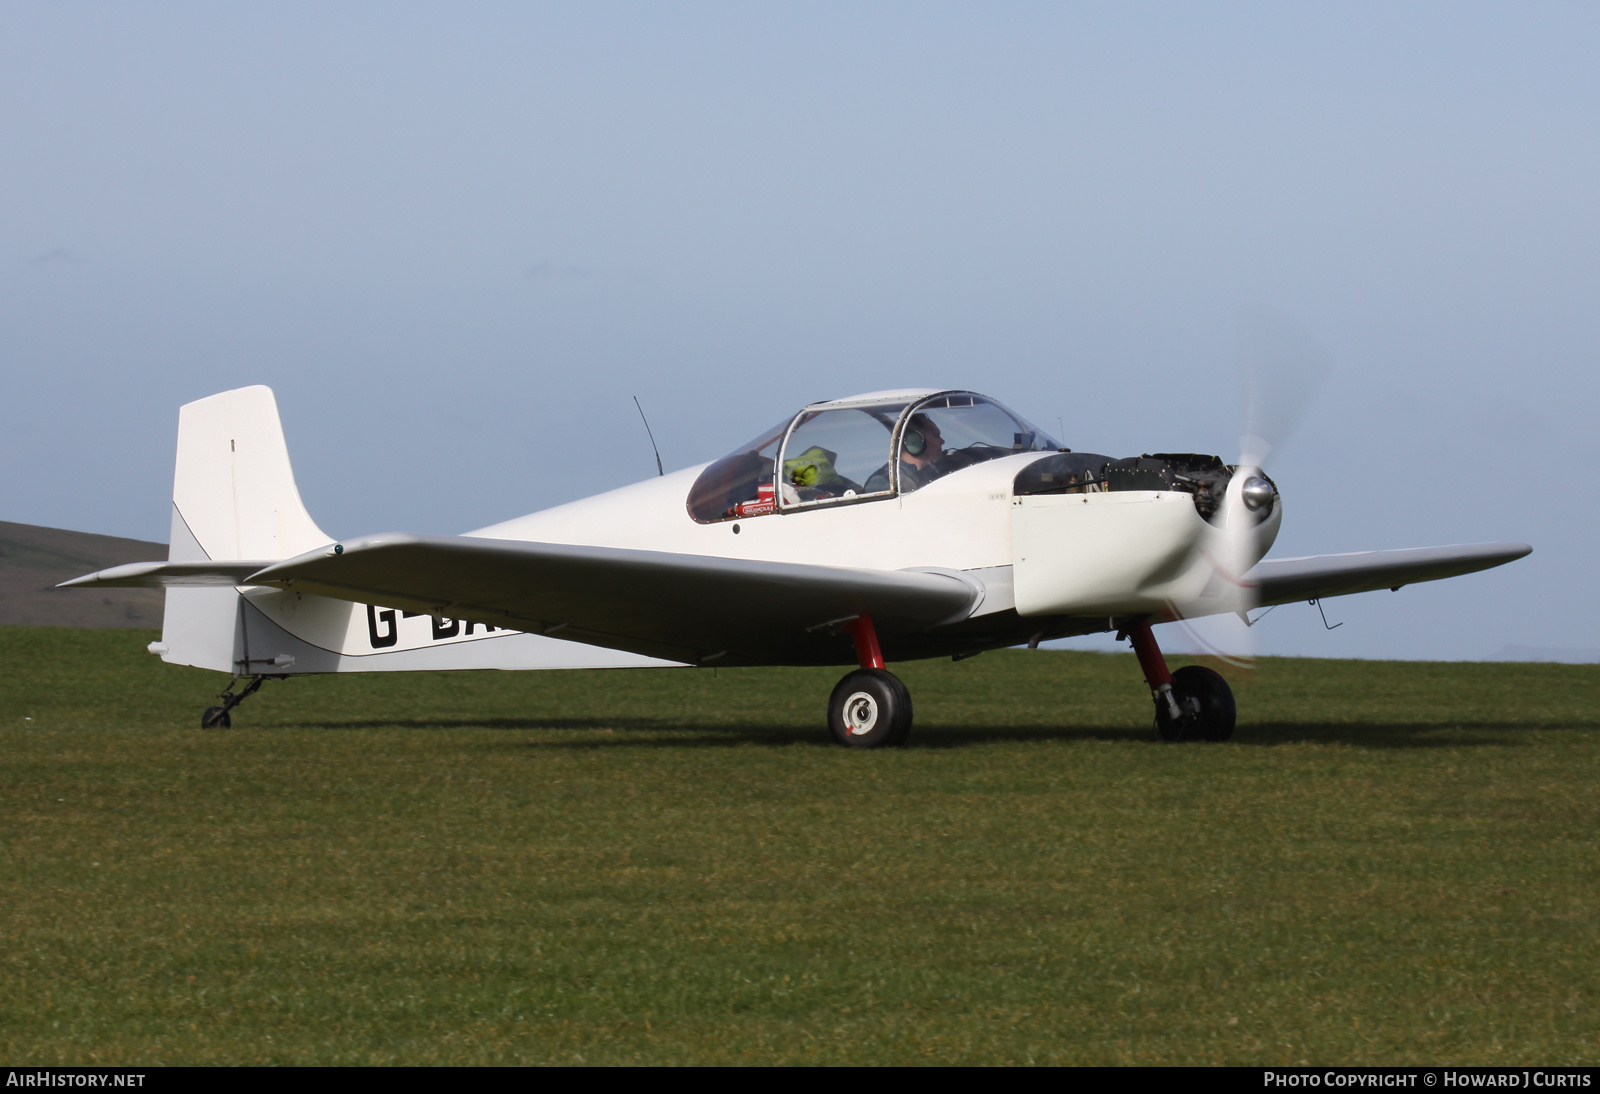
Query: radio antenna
x=659, y=469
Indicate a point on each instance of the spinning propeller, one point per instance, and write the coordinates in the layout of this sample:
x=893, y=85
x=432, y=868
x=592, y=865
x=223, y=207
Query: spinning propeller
x=1280, y=368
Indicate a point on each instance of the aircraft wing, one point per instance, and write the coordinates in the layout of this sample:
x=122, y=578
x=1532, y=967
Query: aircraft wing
x=694, y=608
x=1286, y=580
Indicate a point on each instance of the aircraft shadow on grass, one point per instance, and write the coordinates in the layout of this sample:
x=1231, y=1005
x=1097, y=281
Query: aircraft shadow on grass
x=643, y=732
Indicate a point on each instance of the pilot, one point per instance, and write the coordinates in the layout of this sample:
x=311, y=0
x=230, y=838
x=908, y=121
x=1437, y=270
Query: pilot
x=921, y=457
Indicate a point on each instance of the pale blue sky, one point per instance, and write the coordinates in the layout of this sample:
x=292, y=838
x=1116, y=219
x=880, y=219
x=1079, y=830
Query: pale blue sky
x=456, y=239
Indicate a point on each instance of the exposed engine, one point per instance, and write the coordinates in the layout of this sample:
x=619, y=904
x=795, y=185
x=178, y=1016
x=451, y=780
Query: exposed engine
x=1206, y=478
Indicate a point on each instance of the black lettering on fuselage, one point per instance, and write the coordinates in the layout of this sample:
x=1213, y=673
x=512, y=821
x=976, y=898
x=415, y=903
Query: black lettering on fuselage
x=382, y=641
x=383, y=627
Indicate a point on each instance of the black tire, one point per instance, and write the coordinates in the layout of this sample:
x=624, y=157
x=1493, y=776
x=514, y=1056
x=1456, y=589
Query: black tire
x=904, y=723
x=1217, y=714
x=870, y=708
x=1168, y=730
x=216, y=718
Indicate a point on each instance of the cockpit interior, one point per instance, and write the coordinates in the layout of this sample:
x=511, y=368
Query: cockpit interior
x=861, y=449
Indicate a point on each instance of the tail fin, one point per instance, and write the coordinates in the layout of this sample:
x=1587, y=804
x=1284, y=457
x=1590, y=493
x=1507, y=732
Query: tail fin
x=233, y=494
x=233, y=497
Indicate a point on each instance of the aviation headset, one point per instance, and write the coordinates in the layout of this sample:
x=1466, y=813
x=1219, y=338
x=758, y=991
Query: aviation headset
x=913, y=441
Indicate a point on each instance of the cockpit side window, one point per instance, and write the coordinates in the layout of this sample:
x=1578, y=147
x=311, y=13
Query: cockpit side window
x=957, y=430
x=839, y=455
x=740, y=484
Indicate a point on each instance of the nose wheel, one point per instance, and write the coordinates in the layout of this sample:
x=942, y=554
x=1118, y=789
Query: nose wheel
x=1193, y=704
x=1206, y=701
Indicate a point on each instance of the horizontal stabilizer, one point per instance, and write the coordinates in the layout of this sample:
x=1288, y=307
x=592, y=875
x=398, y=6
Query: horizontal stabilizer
x=170, y=575
x=692, y=608
x=1286, y=580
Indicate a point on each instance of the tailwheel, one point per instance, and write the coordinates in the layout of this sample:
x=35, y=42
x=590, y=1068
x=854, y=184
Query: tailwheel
x=1206, y=703
x=222, y=717
x=870, y=708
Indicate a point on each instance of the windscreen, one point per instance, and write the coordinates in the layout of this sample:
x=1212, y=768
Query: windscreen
x=739, y=484
x=949, y=432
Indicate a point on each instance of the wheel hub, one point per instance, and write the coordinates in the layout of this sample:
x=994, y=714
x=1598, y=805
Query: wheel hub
x=860, y=713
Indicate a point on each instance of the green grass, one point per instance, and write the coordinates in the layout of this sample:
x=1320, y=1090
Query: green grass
x=1392, y=863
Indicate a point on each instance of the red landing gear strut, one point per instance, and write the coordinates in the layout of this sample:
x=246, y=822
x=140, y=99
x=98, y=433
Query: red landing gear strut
x=865, y=636
x=1155, y=669
x=1192, y=704
x=870, y=707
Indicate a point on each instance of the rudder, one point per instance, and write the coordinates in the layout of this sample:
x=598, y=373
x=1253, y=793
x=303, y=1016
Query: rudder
x=233, y=488
x=233, y=497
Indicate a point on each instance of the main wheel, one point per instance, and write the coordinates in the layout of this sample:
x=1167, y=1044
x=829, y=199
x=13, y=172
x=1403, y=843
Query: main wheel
x=904, y=729
x=870, y=708
x=1216, y=716
x=216, y=718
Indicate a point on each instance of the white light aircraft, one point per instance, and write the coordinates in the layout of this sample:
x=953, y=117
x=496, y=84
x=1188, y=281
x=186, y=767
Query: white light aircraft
x=888, y=526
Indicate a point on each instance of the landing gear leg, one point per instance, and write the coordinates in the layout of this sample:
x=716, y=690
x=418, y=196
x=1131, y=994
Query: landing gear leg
x=870, y=708
x=1192, y=704
x=221, y=717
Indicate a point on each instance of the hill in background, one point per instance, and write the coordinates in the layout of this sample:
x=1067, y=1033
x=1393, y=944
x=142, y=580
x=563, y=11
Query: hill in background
x=34, y=560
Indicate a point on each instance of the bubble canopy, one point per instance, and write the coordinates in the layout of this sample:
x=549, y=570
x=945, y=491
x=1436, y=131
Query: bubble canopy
x=864, y=448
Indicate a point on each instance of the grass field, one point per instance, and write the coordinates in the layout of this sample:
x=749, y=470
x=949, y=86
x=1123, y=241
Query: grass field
x=1392, y=863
